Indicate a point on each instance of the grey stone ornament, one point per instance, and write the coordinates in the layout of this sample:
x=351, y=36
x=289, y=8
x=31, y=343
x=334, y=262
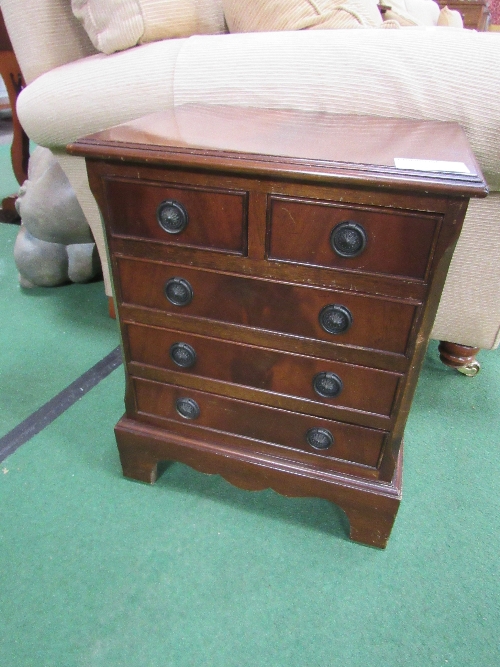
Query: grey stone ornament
x=55, y=244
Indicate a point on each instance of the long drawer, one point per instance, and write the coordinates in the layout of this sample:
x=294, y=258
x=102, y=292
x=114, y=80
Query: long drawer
x=284, y=429
x=320, y=380
x=344, y=318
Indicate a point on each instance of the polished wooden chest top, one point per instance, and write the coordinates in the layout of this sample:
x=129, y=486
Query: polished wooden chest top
x=277, y=274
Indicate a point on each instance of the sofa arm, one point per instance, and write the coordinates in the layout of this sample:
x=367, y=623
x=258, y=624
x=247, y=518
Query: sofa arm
x=420, y=73
x=44, y=35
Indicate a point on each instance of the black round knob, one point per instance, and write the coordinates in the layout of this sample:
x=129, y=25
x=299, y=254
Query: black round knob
x=183, y=355
x=327, y=384
x=187, y=408
x=319, y=438
x=179, y=292
x=172, y=216
x=335, y=319
x=348, y=239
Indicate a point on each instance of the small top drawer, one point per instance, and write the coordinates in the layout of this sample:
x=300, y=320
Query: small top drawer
x=359, y=238
x=189, y=216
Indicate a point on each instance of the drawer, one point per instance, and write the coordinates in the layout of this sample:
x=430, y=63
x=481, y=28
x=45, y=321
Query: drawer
x=199, y=217
x=351, y=237
x=320, y=380
x=344, y=318
x=322, y=437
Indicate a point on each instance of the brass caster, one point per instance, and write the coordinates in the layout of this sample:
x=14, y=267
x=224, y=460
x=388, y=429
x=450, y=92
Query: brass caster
x=460, y=357
x=470, y=370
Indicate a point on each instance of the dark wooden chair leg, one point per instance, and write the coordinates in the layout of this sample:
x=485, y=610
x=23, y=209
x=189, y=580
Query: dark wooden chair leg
x=12, y=77
x=8, y=211
x=460, y=357
x=111, y=308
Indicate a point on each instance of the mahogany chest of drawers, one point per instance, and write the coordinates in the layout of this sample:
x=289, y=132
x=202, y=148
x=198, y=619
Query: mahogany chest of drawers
x=276, y=277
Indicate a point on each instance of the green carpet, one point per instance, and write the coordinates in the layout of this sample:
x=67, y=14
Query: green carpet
x=99, y=571
x=49, y=337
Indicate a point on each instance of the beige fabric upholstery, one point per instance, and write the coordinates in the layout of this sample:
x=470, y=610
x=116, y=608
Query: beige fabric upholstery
x=115, y=25
x=76, y=171
x=182, y=18
x=44, y=35
x=272, y=15
x=98, y=92
x=474, y=280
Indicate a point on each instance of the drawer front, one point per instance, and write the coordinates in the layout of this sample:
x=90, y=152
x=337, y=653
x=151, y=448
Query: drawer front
x=344, y=318
x=203, y=218
x=331, y=439
x=323, y=381
x=351, y=237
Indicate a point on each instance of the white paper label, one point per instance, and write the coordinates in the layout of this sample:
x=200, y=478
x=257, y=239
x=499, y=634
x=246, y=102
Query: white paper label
x=431, y=165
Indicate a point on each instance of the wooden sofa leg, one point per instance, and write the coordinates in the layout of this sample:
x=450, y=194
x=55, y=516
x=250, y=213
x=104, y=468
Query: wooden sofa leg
x=460, y=357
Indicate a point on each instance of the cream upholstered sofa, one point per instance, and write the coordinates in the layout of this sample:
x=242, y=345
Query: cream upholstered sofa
x=74, y=88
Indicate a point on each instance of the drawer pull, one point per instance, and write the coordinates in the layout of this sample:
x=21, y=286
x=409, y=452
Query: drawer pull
x=319, y=438
x=187, y=408
x=179, y=292
x=183, y=355
x=335, y=319
x=172, y=216
x=327, y=384
x=348, y=239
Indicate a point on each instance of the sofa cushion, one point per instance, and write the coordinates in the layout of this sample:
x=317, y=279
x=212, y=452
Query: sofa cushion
x=115, y=25
x=450, y=18
x=274, y=15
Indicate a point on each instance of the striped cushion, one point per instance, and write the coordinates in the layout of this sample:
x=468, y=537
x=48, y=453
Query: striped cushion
x=273, y=15
x=450, y=18
x=115, y=25
x=51, y=37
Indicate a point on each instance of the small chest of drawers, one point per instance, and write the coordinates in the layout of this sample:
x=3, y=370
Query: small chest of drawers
x=276, y=276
